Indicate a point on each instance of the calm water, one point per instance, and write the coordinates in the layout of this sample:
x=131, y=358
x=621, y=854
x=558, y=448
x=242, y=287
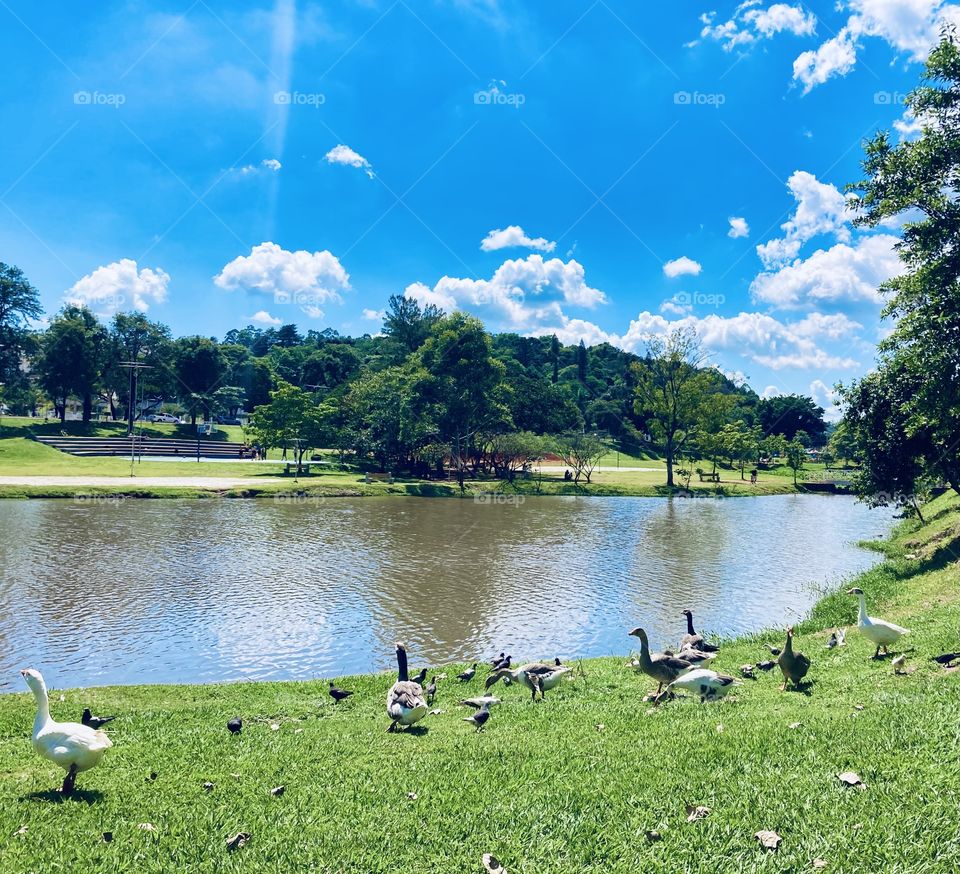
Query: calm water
x=198, y=591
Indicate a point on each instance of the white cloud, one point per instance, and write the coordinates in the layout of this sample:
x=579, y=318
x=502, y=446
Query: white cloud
x=909, y=126
x=271, y=164
x=821, y=209
x=751, y=22
x=307, y=279
x=514, y=236
x=771, y=391
x=836, y=57
x=738, y=227
x=675, y=308
x=826, y=397
x=682, y=266
x=843, y=273
x=521, y=294
x=262, y=317
x=346, y=156
x=120, y=286
x=373, y=315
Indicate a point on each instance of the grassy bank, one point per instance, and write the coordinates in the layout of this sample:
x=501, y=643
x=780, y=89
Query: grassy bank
x=568, y=785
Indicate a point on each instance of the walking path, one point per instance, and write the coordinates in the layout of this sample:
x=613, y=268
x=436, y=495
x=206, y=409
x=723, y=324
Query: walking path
x=195, y=482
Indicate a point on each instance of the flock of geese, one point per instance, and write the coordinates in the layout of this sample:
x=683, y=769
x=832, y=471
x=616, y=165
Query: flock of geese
x=78, y=747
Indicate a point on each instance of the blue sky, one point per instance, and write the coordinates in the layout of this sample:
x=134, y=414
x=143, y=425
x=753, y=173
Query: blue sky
x=604, y=170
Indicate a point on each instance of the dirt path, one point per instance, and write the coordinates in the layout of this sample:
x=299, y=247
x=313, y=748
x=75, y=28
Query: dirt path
x=173, y=482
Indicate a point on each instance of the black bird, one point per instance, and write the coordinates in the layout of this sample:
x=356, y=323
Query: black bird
x=946, y=658
x=766, y=666
x=338, y=695
x=468, y=674
x=235, y=725
x=431, y=690
x=499, y=658
x=557, y=662
x=503, y=663
x=419, y=678
x=479, y=719
x=774, y=650
x=95, y=721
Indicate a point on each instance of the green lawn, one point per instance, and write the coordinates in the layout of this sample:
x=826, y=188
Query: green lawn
x=572, y=784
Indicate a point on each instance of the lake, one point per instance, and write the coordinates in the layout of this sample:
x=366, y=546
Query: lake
x=140, y=591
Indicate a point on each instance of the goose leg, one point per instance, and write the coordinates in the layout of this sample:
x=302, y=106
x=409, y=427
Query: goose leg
x=391, y=728
x=69, y=781
x=876, y=655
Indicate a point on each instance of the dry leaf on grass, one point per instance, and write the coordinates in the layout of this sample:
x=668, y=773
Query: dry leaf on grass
x=696, y=811
x=819, y=863
x=274, y=726
x=21, y=831
x=770, y=840
x=238, y=840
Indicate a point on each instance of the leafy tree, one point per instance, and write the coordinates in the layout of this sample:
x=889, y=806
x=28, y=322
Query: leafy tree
x=19, y=303
x=200, y=368
x=582, y=452
x=796, y=457
x=514, y=451
x=408, y=324
x=582, y=362
x=740, y=442
x=134, y=338
x=843, y=442
x=291, y=420
x=919, y=181
x=787, y=414
x=555, y=357
x=71, y=358
x=670, y=391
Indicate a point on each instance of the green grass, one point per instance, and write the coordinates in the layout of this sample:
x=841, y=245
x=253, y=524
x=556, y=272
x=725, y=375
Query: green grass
x=544, y=788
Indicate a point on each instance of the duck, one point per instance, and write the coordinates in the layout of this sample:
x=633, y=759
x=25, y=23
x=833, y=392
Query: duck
x=479, y=719
x=91, y=721
x=662, y=667
x=405, y=702
x=877, y=631
x=692, y=640
x=337, y=694
x=535, y=676
x=774, y=650
x=467, y=675
x=705, y=683
x=793, y=664
x=71, y=745
x=832, y=640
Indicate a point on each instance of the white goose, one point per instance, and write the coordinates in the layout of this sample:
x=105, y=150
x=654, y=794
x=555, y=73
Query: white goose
x=879, y=631
x=705, y=683
x=72, y=746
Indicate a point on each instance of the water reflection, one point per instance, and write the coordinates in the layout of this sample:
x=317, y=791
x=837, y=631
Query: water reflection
x=162, y=591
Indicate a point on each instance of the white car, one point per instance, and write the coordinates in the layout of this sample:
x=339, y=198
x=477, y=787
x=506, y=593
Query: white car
x=163, y=417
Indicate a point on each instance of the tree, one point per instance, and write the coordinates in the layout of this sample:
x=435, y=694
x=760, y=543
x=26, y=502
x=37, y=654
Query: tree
x=919, y=180
x=670, y=390
x=787, y=414
x=200, y=368
x=582, y=362
x=71, y=358
x=515, y=451
x=843, y=443
x=407, y=323
x=134, y=338
x=796, y=456
x=582, y=452
x=554, y=358
x=291, y=420
x=739, y=442
x=19, y=303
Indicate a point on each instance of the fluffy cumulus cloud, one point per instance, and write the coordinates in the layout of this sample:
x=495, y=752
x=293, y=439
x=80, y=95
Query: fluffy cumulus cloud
x=514, y=236
x=262, y=317
x=843, y=273
x=520, y=295
x=347, y=157
x=306, y=279
x=910, y=27
x=120, y=286
x=827, y=398
x=751, y=22
x=738, y=227
x=682, y=266
x=373, y=315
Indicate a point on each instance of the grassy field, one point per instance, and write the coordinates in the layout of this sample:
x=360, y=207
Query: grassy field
x=573, y=784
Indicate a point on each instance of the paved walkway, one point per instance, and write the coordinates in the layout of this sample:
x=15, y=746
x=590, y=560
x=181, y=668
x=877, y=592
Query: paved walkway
x=173, y=482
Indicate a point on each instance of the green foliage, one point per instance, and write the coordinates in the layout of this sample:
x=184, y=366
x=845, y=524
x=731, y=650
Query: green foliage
x=71, y=358
x=291, y=420
x=19, y=304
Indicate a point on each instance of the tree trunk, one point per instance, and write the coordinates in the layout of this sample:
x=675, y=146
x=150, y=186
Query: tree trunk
x=87, y=407
x=668, y=451
x=63, y=411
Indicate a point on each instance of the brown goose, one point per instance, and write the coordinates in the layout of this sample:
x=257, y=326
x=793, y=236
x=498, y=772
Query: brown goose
x=662, y=667
x=405, y=701
x=793, y=664
x=692, y=640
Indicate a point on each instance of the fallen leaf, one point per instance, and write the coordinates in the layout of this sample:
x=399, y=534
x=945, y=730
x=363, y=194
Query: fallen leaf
x=819, y=863
x=857, y=826
x=237, y=776
x=278, y=790
x=795, y=725
x=298, y=731
x=208, y=786
x=147, y=827
x=695, y=812
x=274, y=726
x=238, y=840
x=63, y=697
x=653, y=836
x=720, y=728
x=770, y=840
x=107, y=837
x=492, y=864
x=851, y=778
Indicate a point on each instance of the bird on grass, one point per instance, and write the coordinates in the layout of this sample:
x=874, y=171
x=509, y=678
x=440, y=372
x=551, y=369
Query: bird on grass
x=503, y=663
x=497, y=660
x=694, y=656
x=709, y=685
x=662, y=667
x=235, y=725
x=405, y=701
x=794, y=665
x=692, y=640
x=899, y=664
x=431, y=690
x=479, y=719
x=338, y=694
x=419, y=678
x=535, y=676
x=467, y=675
x=832, y=640
x=480, y=701
x=877, y=631
x=92, y=721
x=774, y=650
x=71, y=745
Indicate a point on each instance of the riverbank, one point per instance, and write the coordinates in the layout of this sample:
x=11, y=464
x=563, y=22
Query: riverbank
x=570, y=785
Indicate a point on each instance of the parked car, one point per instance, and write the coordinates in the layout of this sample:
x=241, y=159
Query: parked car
x=227, y=420
x=163, y=417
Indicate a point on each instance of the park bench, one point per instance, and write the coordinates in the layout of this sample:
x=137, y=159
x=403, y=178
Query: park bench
x=709, y=477
x=378, y=478
x=291, y=466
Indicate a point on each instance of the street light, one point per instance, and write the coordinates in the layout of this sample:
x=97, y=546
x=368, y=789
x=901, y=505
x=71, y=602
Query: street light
x=134, y=367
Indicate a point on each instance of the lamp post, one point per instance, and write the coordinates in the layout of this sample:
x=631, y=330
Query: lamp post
x=134, y=367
